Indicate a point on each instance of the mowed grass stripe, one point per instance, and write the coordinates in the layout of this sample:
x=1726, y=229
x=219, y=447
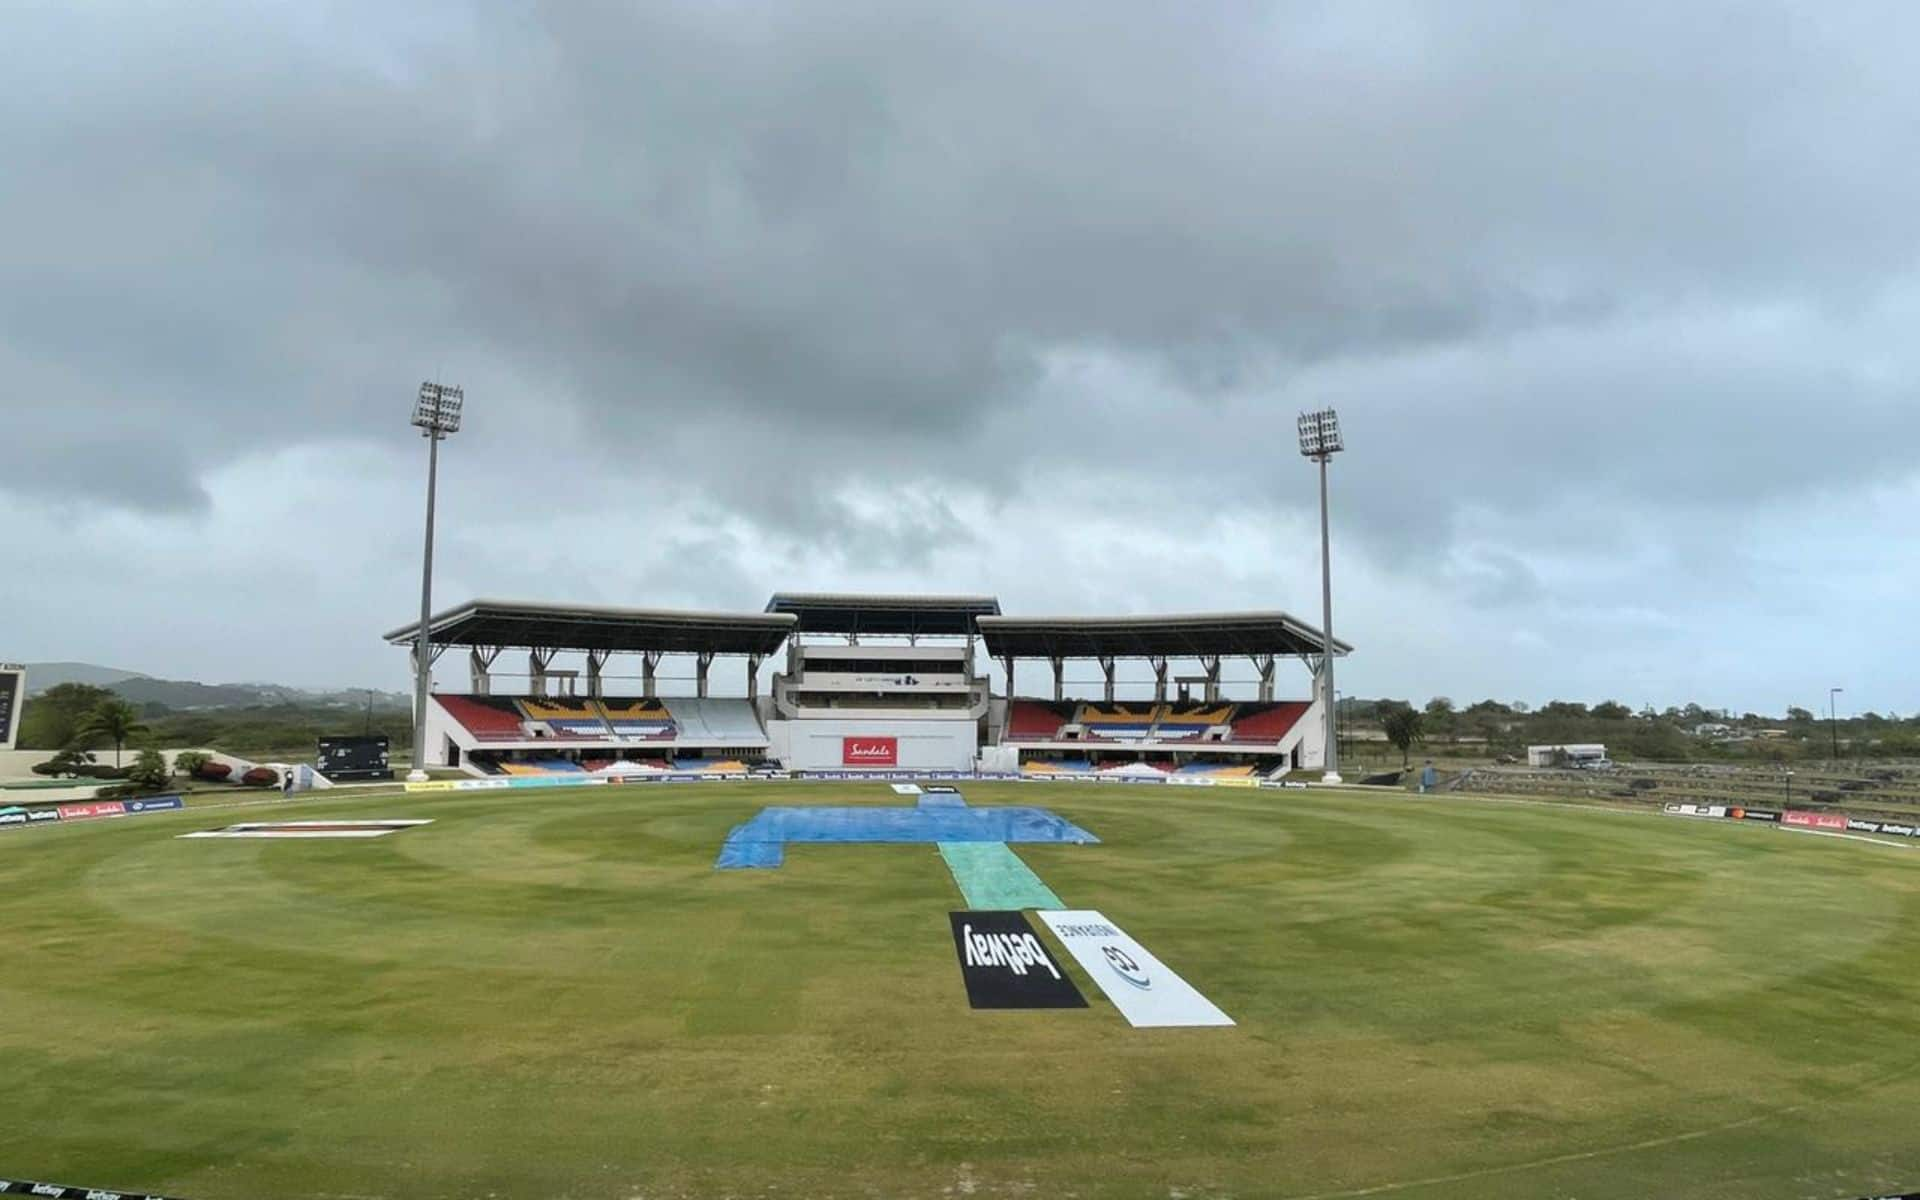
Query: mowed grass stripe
x=563, y=998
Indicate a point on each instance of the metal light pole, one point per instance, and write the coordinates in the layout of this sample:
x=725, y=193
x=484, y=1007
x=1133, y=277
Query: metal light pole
x=1833, y=720
x=436, y=414
x=1320, y=441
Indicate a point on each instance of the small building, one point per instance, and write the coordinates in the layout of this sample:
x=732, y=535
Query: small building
x=1583, y=754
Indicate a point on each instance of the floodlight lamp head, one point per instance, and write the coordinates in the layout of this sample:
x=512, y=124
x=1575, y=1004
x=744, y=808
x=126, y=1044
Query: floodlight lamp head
x=437, y=412
x=1320, y=434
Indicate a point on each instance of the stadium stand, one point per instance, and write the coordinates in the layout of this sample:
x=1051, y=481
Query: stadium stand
x=1188, y=721
x=1121, y=722
x=1036, y=720
x=713, y=722
x=544, y=766
x=1267, y=722
x=709, y=766
x=566, y=717
x=1063, y=766
x=638, y=719
x=1216, y=770
x=487, y=718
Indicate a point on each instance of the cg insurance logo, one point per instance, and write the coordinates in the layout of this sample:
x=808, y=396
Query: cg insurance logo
x=1125, y=967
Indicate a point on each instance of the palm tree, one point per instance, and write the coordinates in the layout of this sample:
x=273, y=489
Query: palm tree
x=115, y=719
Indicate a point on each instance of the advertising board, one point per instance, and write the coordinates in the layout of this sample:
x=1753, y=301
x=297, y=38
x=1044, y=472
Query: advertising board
x=91, y=809
x=1814, y=820
x=1144, y=989
x=869, y=751
x=1005, y=964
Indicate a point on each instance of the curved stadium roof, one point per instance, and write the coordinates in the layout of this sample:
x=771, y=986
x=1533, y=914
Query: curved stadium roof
x=515, y=623
x=1176, y=635
x=922, y=616
x=511, y=623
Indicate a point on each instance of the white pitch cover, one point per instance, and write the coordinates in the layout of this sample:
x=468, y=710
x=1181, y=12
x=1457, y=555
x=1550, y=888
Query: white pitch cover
x=1146, y=992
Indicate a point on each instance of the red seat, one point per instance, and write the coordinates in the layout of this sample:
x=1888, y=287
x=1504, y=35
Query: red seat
x=1268, y=723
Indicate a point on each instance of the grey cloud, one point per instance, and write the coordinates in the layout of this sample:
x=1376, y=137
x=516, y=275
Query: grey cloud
x=830, y=282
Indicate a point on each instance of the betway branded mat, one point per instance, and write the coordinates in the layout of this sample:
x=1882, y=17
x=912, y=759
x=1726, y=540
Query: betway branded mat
x=1144, y=989
x=1006, y=965
x=308, y=829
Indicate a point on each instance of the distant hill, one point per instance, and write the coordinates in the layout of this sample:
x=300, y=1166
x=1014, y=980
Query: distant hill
x=192, y=694
x=41, y=676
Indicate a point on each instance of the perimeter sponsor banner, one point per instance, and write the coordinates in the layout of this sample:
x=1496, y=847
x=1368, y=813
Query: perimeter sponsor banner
x=1147, y=993
x=155, y=804
x=1857, y=825
x=16, y=817
x=1006, y=965
x=1754, y=814
x=1698, y=810
x=1814, y=820
x=37, y=816
x=61, y=1191
x=95, y=808
x=869, y=752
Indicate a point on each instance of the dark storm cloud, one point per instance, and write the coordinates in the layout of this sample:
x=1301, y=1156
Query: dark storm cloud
x=864, y=278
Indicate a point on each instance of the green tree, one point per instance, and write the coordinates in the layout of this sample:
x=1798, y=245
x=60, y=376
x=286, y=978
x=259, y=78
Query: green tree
x=1799, y=716
x=52, y=720
x=1403, y=725
x=150, y=771
x=1611, y=710
x=114, y=720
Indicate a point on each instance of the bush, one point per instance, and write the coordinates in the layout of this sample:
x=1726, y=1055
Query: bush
x=150, y=771
x=260, y=777
x=191, y=763
x=71, y=761
x=213, y=772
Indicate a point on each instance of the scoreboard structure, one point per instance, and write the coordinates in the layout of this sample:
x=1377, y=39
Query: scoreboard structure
x=13, y=700
x=359, y=756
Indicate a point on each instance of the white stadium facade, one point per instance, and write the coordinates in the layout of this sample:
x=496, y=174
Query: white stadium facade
x=868, y=684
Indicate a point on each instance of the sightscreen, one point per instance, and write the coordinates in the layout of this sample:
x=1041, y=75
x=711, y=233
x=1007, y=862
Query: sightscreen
x=10, y=701
x=361, y=756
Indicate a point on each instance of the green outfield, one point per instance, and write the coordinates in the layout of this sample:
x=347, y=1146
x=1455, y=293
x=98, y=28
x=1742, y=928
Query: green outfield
x=554, y=994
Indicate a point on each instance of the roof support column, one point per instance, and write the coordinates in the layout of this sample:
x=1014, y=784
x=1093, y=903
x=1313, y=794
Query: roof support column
x=1059, y=679
x=1159, y=680
x=537, y=663
x=596, y=659
x=479, y=659
x=703, y=661
x=1264, y=664
x=1212, y=663
x=1106, y=665
x=753, y=676
x=649, y=663
x=413, y=655
x=1006, y=664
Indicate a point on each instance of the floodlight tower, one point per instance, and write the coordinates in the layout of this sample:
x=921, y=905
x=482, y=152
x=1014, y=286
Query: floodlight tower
x=436, y=414
x=1320, y=441
x=1833, y=720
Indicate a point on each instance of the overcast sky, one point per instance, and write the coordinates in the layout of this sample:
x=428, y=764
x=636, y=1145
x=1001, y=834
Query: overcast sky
x=1617, y=302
